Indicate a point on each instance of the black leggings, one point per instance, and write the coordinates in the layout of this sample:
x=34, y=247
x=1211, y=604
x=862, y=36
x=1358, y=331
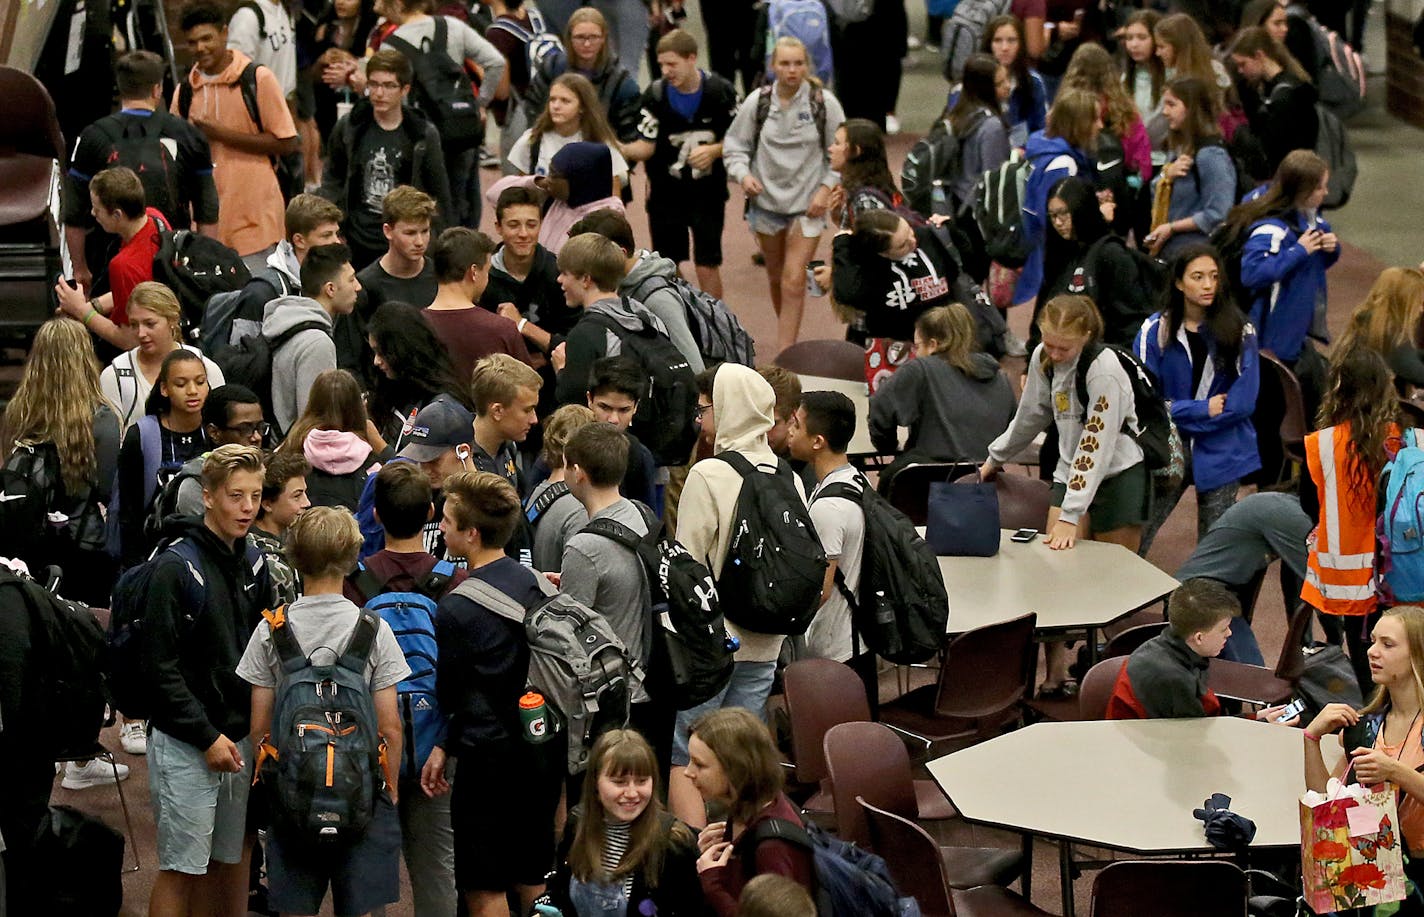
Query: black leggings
x=1357, y=629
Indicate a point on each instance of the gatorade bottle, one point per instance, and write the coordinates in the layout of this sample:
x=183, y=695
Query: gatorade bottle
x=534, y=718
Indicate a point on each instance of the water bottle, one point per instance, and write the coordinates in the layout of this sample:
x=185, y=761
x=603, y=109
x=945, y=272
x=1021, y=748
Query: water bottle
x=534, y=718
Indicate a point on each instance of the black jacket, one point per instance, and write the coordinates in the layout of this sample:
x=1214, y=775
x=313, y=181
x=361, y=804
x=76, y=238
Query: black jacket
x=1109, y=276
x=193, y=652
x=1285, y=119
x=678, y=892
x=869, y=282
x=341, y=178
x=617, y=89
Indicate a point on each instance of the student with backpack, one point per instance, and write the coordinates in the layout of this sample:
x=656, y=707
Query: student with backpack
x=1061, y=150
x=199, y=600
x=524, y=35
x=502, y=806
x=858, y=155
x=619, y=844
x=289, y=652
x=156, y=447
x=298, y=331
x=1007, y=40
x=615, y=386
x=404, y=582
x=336, y=437
x=979, y=127
x=587, y=52
x=284, y=498
x=1285, y=117
x=439, y=442
x=734, y=745
x=171, y=157
x=572, y=115
x=776, y=150
x=710, y=510
x=156, y=319
x=1198, y=186
x=1101, y=488
x=554, y=513
x=686, y=115
x=1204, y=357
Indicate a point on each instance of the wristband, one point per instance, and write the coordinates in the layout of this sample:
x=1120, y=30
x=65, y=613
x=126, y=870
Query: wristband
x=520, y=327
x=93, y=311
x=1312, y=738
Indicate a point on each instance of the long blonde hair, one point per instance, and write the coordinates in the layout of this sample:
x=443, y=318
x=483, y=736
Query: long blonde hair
x=1412, y=617
x=1092, y=68
x=1390, y=315
x=56, y=401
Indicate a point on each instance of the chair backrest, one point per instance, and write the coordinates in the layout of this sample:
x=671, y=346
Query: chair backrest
x=913, y=857
x=867, y=761
x=819, y=694
x=30, y=126
x=1291, y=663
x=1123, y=643
x=831, y=359
x=987, y=672
x=910, y=486
x=1294, y=425
x=1167, y=888
x=1097, y=687
x=1023, y=501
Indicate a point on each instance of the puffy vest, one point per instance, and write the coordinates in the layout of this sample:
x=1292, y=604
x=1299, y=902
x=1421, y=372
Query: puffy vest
x=1339, y=578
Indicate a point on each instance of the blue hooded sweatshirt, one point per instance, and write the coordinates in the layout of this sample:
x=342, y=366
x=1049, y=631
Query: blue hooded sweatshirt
x=1287, y=282
x=1052, y=158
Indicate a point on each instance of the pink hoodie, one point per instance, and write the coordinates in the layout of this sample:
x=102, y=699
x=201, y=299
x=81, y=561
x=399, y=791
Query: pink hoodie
x=336, y=451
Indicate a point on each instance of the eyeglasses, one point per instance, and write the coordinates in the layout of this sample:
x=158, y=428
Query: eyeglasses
x=383, y=85
x=701, y=409
x=587, y=39
x=245, y=430
x=1057, y=215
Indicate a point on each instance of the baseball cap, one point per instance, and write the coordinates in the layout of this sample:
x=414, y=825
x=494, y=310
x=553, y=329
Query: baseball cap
x=441, y=425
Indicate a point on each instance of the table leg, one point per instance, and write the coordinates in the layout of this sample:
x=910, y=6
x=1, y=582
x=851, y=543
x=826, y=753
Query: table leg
x=1065, y=875
x=1092, y=647
x=1026, y=877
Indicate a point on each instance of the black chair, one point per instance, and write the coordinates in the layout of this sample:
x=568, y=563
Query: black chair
x=1130, y=888
x=910, y=487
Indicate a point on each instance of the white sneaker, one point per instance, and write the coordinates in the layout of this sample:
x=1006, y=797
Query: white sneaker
x=892, y=124
x=914, y=43
x=91, y=773
x=133, y=738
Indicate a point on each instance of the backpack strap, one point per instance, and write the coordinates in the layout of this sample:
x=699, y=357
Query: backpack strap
x=261, y=19
x=366, y=583
x=546, y=499
x=363, y=640
x=275, y=344
x=763, y=111
x=495, y=600
x=247, y=85
x=744, y=466
x=185, y=98
x=434, y=583
x=782, y=829
x=289, y=651
x=150, y=441
x=1090, y=353
x=441, y=38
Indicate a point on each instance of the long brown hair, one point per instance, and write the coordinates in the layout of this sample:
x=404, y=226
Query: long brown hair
x=1412, y=617
x=1389, y=317
x=1255, y=39
x=1072, y=117
x=1092, y=68
x=1191, y=53
x=620, y=753
x=977, y=92
x=1148, y=19
x=1298, y=175
x=749, y=760
x=1359, y=391
x=593, y=123
x=866, y=165
x=333, y=404
x=1200, y=127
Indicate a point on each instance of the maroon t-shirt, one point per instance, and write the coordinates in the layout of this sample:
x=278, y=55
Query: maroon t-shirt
x=400, y=572
x=469, y=334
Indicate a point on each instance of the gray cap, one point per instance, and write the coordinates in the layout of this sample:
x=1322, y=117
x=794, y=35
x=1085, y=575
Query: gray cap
x=440, y=426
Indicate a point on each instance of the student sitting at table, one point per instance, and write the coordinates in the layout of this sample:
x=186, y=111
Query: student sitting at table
x=1167, y=676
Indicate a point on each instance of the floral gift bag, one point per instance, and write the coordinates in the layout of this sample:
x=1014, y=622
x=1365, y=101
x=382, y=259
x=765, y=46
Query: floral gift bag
x=1350, y=849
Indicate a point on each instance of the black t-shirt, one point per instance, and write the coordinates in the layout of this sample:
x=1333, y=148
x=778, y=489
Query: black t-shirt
x=383, y=160
x=1196, y=347
x=538, y=297
x=917, y=283
x=380, y=287
x=674, y=136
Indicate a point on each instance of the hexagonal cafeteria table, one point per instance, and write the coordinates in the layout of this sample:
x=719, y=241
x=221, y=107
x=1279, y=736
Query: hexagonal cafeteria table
x=1131, y=785
x=1091, y=585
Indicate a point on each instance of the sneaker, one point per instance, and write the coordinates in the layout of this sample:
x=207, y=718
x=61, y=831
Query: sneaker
x=91, y=773
x=914, y=43
x=932, y=48
x=1013, y=345
x=892, y=124
x=133, y=738
x=488, y=159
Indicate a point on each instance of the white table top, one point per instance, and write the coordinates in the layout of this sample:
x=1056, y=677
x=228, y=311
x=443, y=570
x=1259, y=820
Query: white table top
x=1132, y=784
x=1090, y=585
x=859, y=395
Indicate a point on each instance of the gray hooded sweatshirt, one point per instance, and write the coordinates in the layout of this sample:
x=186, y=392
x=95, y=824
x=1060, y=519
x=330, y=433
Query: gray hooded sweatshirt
x=643, y=284
x=952, y=415
x=591, y=339
x=791, y=161
x=297, y=363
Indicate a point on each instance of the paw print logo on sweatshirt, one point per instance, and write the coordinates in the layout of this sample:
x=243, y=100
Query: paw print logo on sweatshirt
x=1095, y=424
x=1088, y=444
x=1102, y=404
x=1077, y=482
x=1083, y=463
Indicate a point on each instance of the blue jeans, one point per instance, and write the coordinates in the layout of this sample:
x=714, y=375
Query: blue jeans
x=749, y=687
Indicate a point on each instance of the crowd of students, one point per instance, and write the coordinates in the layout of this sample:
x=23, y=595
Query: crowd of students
x=443, y=414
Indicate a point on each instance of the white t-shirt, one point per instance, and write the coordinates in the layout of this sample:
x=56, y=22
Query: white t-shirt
x=277, y=51
x=123, y=383
x=841, y=525
x=551, y=143
x=322, y=621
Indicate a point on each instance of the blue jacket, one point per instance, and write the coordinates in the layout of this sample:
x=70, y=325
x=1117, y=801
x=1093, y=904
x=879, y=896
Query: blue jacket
x=1287, y=282
x=1223, y=448
x=1052, y=159
x=1031, y=118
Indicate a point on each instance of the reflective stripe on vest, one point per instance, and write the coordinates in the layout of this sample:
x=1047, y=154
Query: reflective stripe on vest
x=1340, y=568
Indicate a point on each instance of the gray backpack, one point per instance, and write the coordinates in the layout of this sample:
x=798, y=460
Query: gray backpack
x=576, y=661
x=964, y=30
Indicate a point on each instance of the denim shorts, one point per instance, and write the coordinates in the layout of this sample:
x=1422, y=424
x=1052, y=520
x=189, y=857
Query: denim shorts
x=769, y=224
x=362, y=875
x=749, y=687
x=201, y=814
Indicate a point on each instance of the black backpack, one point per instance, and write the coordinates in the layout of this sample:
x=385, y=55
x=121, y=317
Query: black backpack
x=29, y=485
x=901, y=608
x=137, y=142
x=667, y=407
x=67, y=648
x=230, y=317
x=932, y=163
x=79, y=862
x=290, y=167
x=196, y=268
x=249, y=362
x=771, y=578
x=165, y=500
x=443, y=90
x=692, y=654
x=1156, y=432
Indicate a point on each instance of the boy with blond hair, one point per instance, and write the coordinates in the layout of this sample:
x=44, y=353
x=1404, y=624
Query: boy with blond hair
x=506, y=393
x=552, y=511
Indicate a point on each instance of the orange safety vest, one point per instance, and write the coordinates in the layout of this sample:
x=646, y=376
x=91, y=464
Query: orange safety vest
x=1340, y=568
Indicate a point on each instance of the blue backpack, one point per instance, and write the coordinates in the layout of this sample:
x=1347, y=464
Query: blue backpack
x=411, y=616
x=156, y=473
x=1400, y=532
x=850, y=882
x=808, y=21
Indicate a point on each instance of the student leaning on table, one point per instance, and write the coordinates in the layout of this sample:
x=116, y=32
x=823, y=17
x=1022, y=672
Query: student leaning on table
x=1383, y=741
x=1101, y=487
